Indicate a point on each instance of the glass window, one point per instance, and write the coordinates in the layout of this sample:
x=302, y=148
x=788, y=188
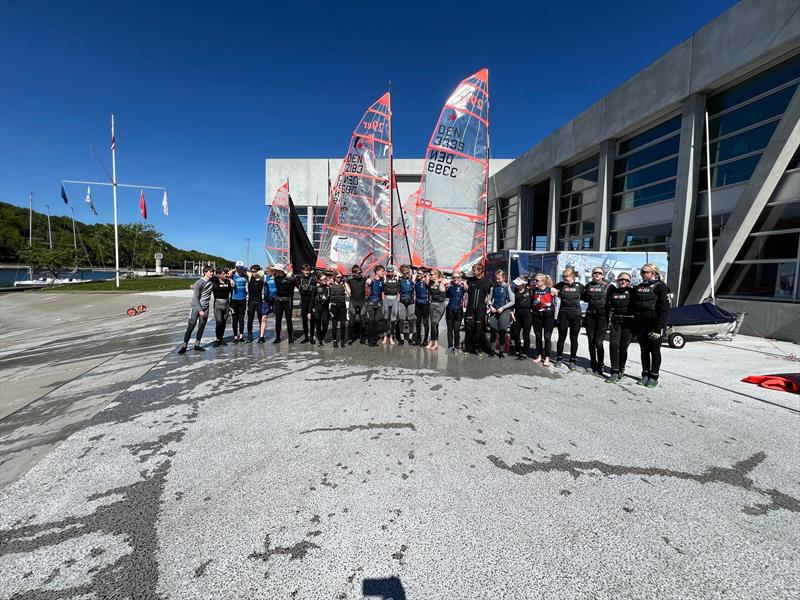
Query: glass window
x=746, y=142
x=778, y=75
x=319, y=219
x=730, y=173
x=585, y=165
x=674, y=124
x=646, y=176
x=642, y=236
x=644, y=196
x=663, y=149
x=303, y=216
x=755, y=112
x=782, y=216
x=764, y=247
x=581, y=182
x=768, y=280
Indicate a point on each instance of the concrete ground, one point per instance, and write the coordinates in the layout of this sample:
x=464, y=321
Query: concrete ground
x=263, y=471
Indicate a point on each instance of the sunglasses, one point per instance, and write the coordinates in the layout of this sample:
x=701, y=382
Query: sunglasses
x=598, y=273
x=623, y=279
x=646, y=271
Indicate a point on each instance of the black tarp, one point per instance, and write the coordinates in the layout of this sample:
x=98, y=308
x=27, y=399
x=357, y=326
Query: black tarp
x=706, y=313
x=301, y=251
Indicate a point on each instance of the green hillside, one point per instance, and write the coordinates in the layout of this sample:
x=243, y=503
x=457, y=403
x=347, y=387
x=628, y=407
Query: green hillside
x=137, y=242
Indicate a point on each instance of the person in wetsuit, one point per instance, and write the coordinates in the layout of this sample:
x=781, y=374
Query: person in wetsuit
x=320, y=304
x=521, y=326
x=391, y=293
x=238, y=301
x=650, y=307
x=422, y=308
x=268, y=305
x=405, y=307
x=596, y=321
x=620, y=328
x=542, y=316
x=338, y=308
x=438, y=297
x=501, y=299
x=284, y=301
x=375, y=305
x=356, y=287
x=255, y=293
x=201, y=298
x=221, y=290
x=478, y=287
x=306, y=283
x=454, y=312
x=569, y=292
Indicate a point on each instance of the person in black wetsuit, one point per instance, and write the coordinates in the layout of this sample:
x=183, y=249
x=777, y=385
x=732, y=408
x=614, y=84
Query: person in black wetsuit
x=543, y=300
x=306, y=283
x=454, y=313
x=570, y=292
x=478, y=287
x=239, y=301
x=521, y=327
x=422, y=308
x=650, y=307
x=596, y=321
x=438, y=297
x=320, y=303
x=283, y=302
x=501, y=301
x=620, y=329
x=222, y=287
x=375, y=305
x=338, y=308
x=405, y=306
x=391, y=292
x=356, y=287
x=255, y=297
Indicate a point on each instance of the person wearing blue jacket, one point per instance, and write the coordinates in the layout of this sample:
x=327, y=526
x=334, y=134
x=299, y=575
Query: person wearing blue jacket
x=454, y=312
x=422, y=308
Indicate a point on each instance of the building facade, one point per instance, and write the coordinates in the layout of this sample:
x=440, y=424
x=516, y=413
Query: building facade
x=308, y=184
x=631, y=172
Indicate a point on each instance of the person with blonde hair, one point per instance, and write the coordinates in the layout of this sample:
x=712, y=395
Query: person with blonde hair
x=650, y=307
x=521, y=324
x=569, y=292
x=596, y=320
x=438, y=296
x=543, y=300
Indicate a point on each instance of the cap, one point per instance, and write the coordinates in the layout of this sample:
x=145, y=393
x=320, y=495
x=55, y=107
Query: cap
x=390, y=269
x=239, y=264
x=279, y=267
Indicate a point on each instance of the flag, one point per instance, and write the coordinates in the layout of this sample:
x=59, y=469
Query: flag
x=113, y=136
x=89, y=200
x=165, y=204
x=142, y=205
x=64, y=194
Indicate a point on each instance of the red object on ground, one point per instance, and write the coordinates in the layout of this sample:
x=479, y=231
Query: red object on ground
x=783, y=383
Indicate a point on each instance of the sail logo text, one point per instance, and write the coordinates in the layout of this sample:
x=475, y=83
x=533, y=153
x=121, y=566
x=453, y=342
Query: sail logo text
x=376, y=126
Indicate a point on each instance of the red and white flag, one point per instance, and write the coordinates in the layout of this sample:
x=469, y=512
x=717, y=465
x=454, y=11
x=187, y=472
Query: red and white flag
x=113, y=136
x=142, y=205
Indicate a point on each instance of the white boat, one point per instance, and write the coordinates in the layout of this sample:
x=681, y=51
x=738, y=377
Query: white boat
x=34, y=283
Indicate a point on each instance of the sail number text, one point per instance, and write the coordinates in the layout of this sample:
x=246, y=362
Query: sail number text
x=354, y=163
x=441, y=163
x=448, y=137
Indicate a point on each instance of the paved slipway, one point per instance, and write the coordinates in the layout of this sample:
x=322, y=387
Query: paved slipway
x=289, y=472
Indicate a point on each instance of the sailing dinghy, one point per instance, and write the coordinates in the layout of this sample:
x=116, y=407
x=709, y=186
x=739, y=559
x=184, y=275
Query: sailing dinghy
x=285, y=241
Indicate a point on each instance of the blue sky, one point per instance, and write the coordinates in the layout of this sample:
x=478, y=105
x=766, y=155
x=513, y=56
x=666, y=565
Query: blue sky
x=205, y=91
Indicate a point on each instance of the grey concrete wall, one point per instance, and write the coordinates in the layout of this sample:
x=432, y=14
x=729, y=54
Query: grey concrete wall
x=774, y=320
x=745, y=37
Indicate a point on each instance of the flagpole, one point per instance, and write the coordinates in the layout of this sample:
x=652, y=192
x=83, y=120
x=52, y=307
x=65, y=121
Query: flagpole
x=74, y=238
x=49, y=231
x=710, y=217
x=114, y=187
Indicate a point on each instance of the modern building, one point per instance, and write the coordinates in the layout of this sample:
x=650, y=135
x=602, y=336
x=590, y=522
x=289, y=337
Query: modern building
x=631, y=172
x=308, y=184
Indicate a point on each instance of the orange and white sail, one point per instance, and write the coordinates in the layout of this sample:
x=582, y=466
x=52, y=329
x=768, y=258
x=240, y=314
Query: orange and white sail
x=448, y=224
x=277, y=242
x=357, y=227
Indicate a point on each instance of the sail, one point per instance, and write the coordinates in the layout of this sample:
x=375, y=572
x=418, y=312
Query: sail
x=278, y=236
x=448, y=224
x=357, y=225
x=401, y=249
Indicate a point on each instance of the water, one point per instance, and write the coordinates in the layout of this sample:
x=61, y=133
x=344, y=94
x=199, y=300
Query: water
x=9, y=275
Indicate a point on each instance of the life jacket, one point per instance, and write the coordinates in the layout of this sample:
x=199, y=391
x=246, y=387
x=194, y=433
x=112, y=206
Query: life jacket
x=240, y=288
x=221, y=290
x=272, y=289
x=391, y=287
x=437, y=295
x=421, y=290
x=455, y=293
x=375, y=290
x=500, y=295
x=570, y=294
x=306, y=285
x=523, y=298
x=542, y=299
x=406, y=290
x=595, y=296
x=356, y=288
x=643, y=297
x=323, y=294
x=619, y=301
x=285, y=286
x=255, y=288
x=337, y=294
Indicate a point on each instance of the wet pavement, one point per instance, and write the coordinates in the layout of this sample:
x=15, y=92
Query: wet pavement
x=263, y=471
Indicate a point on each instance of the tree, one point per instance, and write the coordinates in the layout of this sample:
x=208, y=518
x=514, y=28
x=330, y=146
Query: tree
x=50, y=261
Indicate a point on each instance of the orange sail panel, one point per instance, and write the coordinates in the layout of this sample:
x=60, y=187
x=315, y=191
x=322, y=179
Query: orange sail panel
x=277, y=242
x=357, y=225
x=448, y=228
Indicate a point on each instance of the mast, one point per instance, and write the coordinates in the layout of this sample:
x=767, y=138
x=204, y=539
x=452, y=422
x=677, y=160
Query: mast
x=49, y=231
x=74, y=237
x=391, y=183
x=114, y=187
x=486, y=182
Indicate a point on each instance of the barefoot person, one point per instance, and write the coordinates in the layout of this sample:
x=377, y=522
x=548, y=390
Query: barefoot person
x=438, y=298
x=201, y=298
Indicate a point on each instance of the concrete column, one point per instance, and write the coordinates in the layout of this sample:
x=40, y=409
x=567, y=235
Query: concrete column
x=690, y=154
x=310, y=221
x=605, y=181
x=553, y=208
x=756, y=194
x=524, y=217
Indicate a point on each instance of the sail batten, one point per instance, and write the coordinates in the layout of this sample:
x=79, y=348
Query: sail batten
x=448, y=223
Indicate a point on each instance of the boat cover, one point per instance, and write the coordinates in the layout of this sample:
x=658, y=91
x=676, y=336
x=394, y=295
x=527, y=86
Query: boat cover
x=706, y=313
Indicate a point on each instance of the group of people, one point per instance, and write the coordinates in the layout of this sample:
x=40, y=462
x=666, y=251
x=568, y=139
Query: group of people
x=407, y=307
